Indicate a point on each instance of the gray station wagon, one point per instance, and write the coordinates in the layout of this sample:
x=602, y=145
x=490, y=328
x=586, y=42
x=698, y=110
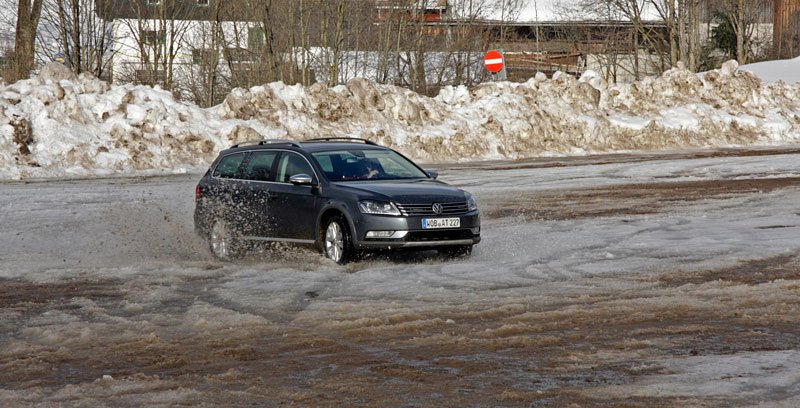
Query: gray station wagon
x=345, y=196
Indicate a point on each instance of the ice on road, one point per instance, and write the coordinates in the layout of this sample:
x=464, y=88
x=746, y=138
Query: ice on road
x=637, y=280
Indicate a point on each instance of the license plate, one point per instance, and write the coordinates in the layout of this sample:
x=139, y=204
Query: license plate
x=434, y=223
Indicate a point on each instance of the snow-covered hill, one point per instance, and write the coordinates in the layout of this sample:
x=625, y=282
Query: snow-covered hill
x=59, y=125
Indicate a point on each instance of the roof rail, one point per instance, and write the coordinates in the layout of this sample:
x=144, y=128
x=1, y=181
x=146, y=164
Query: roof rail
x=266, y=142
x=342, y=139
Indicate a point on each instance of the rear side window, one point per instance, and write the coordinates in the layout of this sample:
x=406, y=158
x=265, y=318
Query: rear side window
x=227, y=167
x=259, y=167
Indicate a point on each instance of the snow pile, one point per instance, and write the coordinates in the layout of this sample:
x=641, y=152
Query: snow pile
x=57, y=124
x=774, y=71
x=542, y=116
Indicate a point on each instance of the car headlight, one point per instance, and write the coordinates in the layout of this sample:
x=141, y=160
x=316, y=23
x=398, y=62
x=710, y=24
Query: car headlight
x=378, y=208
x=471, y=204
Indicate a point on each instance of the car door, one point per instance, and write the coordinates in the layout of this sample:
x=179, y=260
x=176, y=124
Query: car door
x=294, y=207
x=259, y=173
x=225, y=188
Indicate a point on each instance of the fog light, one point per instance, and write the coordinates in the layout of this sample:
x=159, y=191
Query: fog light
x=386, y=234
x=379, y=234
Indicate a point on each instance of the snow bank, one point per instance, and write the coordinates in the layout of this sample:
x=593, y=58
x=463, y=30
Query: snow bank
x=774, y=71
x=57, y=125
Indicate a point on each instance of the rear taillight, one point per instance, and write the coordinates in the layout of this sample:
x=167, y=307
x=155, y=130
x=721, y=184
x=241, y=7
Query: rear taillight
x=197, y=193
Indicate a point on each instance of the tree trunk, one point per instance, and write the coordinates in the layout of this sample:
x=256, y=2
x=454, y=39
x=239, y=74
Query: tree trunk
x=383, y=60
x=267, y=21
x=25, y=38
x=338, y=40
x=682, y=37
x=77, y=65
x=63, y=30
x=398, y=56
x=694, y=37
x=673, y=33
x=741, y=52
x=637, y=69
x=305, y=40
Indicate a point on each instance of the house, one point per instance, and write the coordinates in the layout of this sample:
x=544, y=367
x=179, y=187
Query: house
x=619, y=50
x=426, y=10
x=154, y=39
x=549, y=36
x=786, y=34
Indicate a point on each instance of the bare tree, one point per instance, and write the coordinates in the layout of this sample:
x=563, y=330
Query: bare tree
x=508, y=10
x=83, y=37
x=204, y=80
x=269, y=49
x=156, y=33
x=467, y=38
x=627, y=46
x=338, y=42
x=680, y=17
x=416, y=48
x=28, y=14
x=743, y=16
x=693, y=38
x=302, y=14
x=388, y=19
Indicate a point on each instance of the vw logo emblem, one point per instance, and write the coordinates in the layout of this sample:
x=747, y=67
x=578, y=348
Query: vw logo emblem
x=437, y=208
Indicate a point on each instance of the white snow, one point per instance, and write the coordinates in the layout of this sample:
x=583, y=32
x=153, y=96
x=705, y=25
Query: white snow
x=753, y=376
x=81, y=126
x=773, y=71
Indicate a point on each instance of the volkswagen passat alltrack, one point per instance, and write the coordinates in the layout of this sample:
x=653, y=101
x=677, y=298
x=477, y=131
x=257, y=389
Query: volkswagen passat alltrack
x=345, y=196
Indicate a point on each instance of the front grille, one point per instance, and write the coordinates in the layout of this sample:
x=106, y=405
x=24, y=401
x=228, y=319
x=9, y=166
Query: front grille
x=443, y=235
x=416, y=210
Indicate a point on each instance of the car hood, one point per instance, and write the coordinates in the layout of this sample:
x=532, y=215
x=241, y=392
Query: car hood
x=405, y=191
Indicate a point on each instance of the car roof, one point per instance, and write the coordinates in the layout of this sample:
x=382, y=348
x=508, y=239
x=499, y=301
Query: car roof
x=310, y=146
x=314, y=147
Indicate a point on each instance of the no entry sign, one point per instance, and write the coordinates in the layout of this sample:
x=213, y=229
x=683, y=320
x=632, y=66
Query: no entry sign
x=493, y=61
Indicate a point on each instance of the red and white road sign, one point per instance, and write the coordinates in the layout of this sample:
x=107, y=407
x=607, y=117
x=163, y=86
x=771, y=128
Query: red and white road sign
x=493, y=61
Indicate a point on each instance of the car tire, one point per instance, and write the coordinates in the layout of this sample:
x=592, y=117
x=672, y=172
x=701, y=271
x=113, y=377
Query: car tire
x=461, y=251
x=337, y=243
x=223, y=241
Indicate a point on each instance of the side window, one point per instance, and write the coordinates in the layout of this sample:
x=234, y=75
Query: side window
x=292, y=164
x=325, y=162
x=227, y=167
x=259, y=167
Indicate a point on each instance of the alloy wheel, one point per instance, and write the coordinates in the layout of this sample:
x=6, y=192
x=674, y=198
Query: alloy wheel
x=221, y=240
x=334, y=242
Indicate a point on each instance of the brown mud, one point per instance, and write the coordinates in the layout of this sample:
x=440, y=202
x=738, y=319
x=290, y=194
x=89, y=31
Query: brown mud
x=518, y=351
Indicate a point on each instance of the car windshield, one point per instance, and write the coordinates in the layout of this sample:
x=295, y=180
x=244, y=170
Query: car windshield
x=357, y=164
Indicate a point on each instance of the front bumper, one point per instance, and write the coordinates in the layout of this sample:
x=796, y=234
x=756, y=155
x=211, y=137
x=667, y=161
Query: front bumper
x=468, y=233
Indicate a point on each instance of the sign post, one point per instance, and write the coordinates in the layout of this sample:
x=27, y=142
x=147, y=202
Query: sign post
x=495, y=63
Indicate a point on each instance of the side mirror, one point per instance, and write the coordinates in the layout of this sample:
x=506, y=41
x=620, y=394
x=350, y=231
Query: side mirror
x=302, y=179
x=433, y=173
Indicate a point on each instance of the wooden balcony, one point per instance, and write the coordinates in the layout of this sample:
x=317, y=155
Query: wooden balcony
x=420, y=5
x=425, y=10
